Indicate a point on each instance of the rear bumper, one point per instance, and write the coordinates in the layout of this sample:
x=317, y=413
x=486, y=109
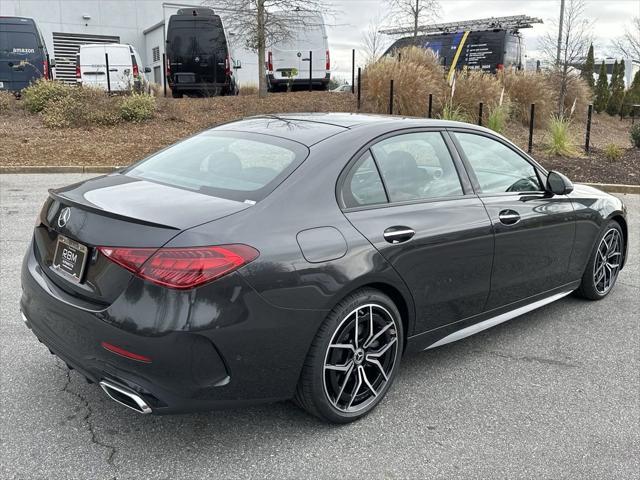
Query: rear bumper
x=249, y=352
x=297, y=81
x=186, y=87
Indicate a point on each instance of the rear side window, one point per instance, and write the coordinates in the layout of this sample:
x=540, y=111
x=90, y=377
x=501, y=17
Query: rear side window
x=498, y=168
x=233, y=165
x=417, y=166
x=363, y=185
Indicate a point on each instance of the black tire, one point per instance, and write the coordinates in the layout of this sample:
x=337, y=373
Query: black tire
x=176, y=94
x=590, y=288
x=374, y=319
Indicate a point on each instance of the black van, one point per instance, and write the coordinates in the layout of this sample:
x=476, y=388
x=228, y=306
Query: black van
x=198, y=57
x=23, y=53
x=488, y=50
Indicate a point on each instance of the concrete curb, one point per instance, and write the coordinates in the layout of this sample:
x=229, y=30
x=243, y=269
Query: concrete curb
x=607, y=187
x=58, y=169
x=615, y=188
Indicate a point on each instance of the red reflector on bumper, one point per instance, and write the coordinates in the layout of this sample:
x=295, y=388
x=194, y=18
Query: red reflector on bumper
x=125, y=353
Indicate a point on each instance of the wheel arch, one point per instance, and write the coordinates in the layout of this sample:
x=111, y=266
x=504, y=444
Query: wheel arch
x=622, y=221
x=402, y=301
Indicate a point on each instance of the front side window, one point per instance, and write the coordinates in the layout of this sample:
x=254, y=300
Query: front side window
x=498, y=168
x=417, y=166
x=232, y=165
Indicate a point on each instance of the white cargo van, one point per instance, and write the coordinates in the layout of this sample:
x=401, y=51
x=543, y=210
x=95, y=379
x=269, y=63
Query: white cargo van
x=125, y=68
x=288, y=61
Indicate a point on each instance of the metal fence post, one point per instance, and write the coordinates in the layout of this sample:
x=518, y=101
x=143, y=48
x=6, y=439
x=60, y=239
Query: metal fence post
x=588, y=135
x=531, y=120
x=391, y=97
x=310, y=70
x=106, y=61
x=430, y=105
x=353, y=69
x=480, y=114
x=359, y=84
x=48, y=72
x=164, y=73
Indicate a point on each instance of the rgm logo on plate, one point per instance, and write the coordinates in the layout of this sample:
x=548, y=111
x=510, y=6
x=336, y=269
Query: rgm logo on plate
x=24, y=50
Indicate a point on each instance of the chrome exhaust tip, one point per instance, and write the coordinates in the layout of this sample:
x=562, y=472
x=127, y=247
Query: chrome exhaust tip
x=125, y=397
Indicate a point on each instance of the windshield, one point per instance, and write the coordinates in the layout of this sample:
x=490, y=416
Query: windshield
x=233, y=165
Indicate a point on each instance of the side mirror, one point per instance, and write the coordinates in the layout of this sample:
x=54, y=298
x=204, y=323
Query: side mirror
x=52, y=62
x=558, y=184
x=147, y=69
x=237, y=64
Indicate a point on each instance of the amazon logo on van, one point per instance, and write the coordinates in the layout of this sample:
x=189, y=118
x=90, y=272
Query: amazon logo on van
x=24, y=50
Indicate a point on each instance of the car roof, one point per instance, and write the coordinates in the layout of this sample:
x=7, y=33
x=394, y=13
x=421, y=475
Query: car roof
x=311, y=128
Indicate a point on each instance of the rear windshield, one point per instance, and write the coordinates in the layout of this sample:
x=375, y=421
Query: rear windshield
x=238, y=166
x=196, y=36
x=17, y=44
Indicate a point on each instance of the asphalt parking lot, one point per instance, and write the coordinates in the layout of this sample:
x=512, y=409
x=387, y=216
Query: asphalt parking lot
x=552, y=394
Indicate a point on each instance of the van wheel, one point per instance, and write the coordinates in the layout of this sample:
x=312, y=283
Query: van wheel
x=176, y=94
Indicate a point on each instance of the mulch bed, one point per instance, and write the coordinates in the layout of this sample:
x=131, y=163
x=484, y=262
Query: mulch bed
x=595, y=168
x=25, y=141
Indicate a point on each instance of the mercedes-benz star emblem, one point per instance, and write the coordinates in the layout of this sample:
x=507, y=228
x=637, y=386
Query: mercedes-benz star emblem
x=64, y=217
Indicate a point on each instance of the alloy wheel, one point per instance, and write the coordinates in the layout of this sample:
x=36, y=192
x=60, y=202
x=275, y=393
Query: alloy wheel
x=360, y=358
x=607, y=262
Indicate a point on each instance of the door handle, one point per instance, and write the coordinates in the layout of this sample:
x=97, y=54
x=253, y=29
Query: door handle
x=398, y=234
x=509, y=217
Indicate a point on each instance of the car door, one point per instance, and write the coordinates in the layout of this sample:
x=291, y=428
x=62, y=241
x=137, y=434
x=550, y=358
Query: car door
x=410, y=197
x=534, y=230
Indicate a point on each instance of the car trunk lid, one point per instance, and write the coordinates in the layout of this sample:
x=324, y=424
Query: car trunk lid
x=115, y=210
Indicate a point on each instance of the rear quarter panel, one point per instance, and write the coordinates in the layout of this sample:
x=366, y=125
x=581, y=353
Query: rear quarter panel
x=325, y=273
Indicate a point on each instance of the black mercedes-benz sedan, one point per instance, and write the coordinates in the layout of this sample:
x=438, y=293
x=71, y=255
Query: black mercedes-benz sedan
x=299, y=256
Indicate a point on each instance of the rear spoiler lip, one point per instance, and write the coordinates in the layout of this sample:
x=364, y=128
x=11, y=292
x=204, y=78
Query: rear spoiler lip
x=86, y=206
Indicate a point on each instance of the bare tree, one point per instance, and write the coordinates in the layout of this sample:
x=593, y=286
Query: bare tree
x=628, y=45
x=414, y=12
x=264, y=22
x=575, y=39
x=373, y=41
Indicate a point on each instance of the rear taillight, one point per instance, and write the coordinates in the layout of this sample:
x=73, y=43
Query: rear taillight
x=168, y=67
x=227, y=66
x=45, y=69
x=181, y=268
x=78, y=75
x=500, y=66
x=136, y=71
x=269, y=61
x=327, y=65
